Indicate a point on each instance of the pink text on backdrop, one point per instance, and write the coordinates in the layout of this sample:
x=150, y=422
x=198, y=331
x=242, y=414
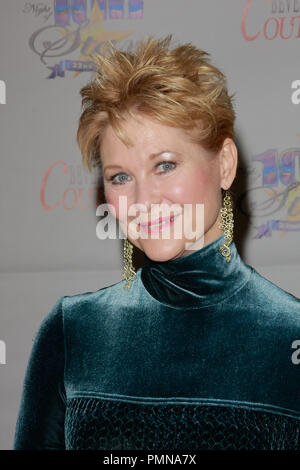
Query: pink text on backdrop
x=272, y=27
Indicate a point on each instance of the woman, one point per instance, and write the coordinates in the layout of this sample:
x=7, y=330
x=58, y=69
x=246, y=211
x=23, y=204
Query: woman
x=194, y=350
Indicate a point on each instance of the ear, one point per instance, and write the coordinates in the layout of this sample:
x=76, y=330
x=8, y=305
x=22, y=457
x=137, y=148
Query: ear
x=228, y=158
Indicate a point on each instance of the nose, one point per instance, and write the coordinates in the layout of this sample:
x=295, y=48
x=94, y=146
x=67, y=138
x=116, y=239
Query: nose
x=146, y=195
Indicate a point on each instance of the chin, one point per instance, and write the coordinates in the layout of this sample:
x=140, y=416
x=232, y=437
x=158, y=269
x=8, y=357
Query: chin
x=163, y=250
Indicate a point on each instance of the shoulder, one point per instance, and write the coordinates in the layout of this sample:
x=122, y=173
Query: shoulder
x=93, y=305
x=73, y=313
x=268, y=289
x=89, y=298
x=47, y=352
x=91, y=308
x=52, y=321
x=271, y=301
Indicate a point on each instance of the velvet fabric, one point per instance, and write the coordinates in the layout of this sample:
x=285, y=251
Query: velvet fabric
x=196, y=355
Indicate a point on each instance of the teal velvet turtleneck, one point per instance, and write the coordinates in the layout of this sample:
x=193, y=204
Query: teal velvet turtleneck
x=198, y=354
x=198, y=279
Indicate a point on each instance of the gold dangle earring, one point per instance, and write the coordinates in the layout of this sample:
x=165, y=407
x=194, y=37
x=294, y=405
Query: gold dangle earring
x=226, y=225
x=129, y=273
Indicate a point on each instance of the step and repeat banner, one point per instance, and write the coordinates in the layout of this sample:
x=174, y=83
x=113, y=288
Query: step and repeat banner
x=49, y=245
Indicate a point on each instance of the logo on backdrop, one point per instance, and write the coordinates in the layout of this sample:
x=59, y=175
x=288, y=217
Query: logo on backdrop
x=80, y=189
x=276, y=199
x=271, y=19
x=2, y=92
x=77, y=29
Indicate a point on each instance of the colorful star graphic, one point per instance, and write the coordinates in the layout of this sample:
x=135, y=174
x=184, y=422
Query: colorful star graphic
x=94, y=34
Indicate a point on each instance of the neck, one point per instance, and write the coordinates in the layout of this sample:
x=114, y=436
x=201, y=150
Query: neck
x=198, y=279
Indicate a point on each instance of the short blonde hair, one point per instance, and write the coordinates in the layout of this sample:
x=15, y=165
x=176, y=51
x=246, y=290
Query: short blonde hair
x=176, y=86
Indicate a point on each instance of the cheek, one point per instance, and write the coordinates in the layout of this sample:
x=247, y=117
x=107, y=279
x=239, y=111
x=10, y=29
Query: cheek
x=113, y=200
x=199, y=187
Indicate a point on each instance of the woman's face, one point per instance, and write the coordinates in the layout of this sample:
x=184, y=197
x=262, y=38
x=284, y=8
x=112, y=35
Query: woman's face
x=163, y=168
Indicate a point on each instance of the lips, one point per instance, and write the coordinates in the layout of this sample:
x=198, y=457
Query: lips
x=158, y=221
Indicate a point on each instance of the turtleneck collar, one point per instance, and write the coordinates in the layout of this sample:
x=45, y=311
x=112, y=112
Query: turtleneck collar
x=199, y=279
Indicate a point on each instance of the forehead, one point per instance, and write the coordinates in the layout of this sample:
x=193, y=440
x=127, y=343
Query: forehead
x=146, y=136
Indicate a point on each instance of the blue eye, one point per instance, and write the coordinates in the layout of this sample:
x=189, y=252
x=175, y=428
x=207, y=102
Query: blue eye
x=115, y=182
x=166, y=163
x=115, y=176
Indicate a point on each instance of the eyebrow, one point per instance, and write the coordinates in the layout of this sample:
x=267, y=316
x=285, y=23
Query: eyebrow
x=152, y=156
